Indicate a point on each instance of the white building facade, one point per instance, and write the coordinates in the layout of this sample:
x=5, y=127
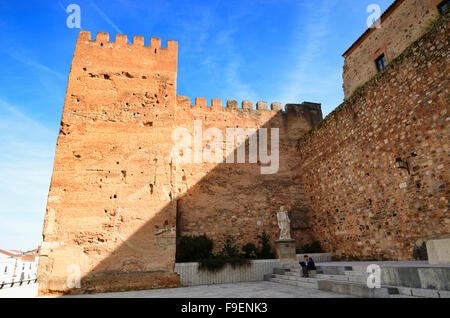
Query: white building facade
x=17, y=268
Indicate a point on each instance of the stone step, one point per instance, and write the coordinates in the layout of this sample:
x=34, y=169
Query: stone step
x=333, y=270
x=300, y=274
x=334, y=284
x=333, y=277
x=293, y=276
x=302, y=284
x=352, y=280
x=356, y=289
x=403, y=291
x=356, y=273
x=299, y=277
x=294, y=271
x=342, y=268
x=422, y=292
x=357, y=279
x=339, y=284
x=298, y=271
x=344, y=278
x=401, y=296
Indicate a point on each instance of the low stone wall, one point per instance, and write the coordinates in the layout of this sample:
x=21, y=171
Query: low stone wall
x=190, y=275
x=417, y=277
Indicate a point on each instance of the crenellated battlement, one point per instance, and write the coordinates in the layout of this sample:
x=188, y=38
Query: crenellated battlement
x=121, y=41
x=201, y=102
x=105, y=54
x=105, y=71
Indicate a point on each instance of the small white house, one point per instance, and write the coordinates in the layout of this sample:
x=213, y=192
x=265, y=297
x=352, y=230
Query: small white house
x=17, y=267
x=7, y=267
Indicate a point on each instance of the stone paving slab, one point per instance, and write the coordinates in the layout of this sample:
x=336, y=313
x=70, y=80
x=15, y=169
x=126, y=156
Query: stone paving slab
x=236, y=290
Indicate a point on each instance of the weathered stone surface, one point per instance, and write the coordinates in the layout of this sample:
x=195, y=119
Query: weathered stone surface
x=276, y=106
x=356, y=205
x=232, y=104
x=200, y=101
x=117, y=200
x=216, y=103
x=225, y=199
x=261, y=106
x=286, y=252
x=408, y=20
x=438, y=251
x=247, y=104
x=110, y=207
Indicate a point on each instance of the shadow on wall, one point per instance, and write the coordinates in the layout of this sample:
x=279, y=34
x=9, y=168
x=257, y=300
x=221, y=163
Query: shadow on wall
x=230, y=199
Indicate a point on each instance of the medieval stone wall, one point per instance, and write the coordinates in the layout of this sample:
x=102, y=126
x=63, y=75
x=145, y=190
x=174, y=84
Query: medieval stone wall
x=361, y=203
x=109, y=212
x=237, y=200
x=403, y=26
x=118, y=200
x=117, y=197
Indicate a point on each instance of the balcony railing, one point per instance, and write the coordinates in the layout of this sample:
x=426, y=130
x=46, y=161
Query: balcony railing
x=18, y=283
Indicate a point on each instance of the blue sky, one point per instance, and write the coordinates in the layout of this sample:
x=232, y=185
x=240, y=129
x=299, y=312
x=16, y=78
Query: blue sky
x=276, y=51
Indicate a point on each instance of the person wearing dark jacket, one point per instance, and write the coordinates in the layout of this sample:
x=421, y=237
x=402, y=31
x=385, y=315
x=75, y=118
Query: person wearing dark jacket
x=307, y=265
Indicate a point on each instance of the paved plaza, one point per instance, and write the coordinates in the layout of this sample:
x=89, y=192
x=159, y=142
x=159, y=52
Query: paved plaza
x=24, y=291
x=236, y=290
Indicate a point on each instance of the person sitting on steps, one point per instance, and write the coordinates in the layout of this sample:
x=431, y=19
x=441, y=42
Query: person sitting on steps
x=307, y=265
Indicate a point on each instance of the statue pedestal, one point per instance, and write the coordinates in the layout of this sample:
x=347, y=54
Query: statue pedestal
x=286, y=253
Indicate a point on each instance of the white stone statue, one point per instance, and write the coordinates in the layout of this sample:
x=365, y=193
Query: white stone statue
x=284, y=224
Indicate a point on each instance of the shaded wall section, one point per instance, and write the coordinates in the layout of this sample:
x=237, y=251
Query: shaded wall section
x=376, y=170
x=235, y=199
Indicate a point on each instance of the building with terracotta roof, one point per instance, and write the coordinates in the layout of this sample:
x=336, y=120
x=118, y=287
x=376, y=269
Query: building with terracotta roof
x=398, y=27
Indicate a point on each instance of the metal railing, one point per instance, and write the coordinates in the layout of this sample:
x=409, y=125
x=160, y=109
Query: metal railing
x=19, y=283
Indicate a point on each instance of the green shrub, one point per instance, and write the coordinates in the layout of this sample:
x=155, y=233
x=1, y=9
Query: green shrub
x=200, y=249
x=250, y=250
x=265, y=251
x=420, y=252
x=216, y=263
x=314, y=247
x=230, y=249
x=212, y=264
x=194, y=248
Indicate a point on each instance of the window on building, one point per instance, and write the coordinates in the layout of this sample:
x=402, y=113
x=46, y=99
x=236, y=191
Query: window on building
x=381, y=63
x=443, y=7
